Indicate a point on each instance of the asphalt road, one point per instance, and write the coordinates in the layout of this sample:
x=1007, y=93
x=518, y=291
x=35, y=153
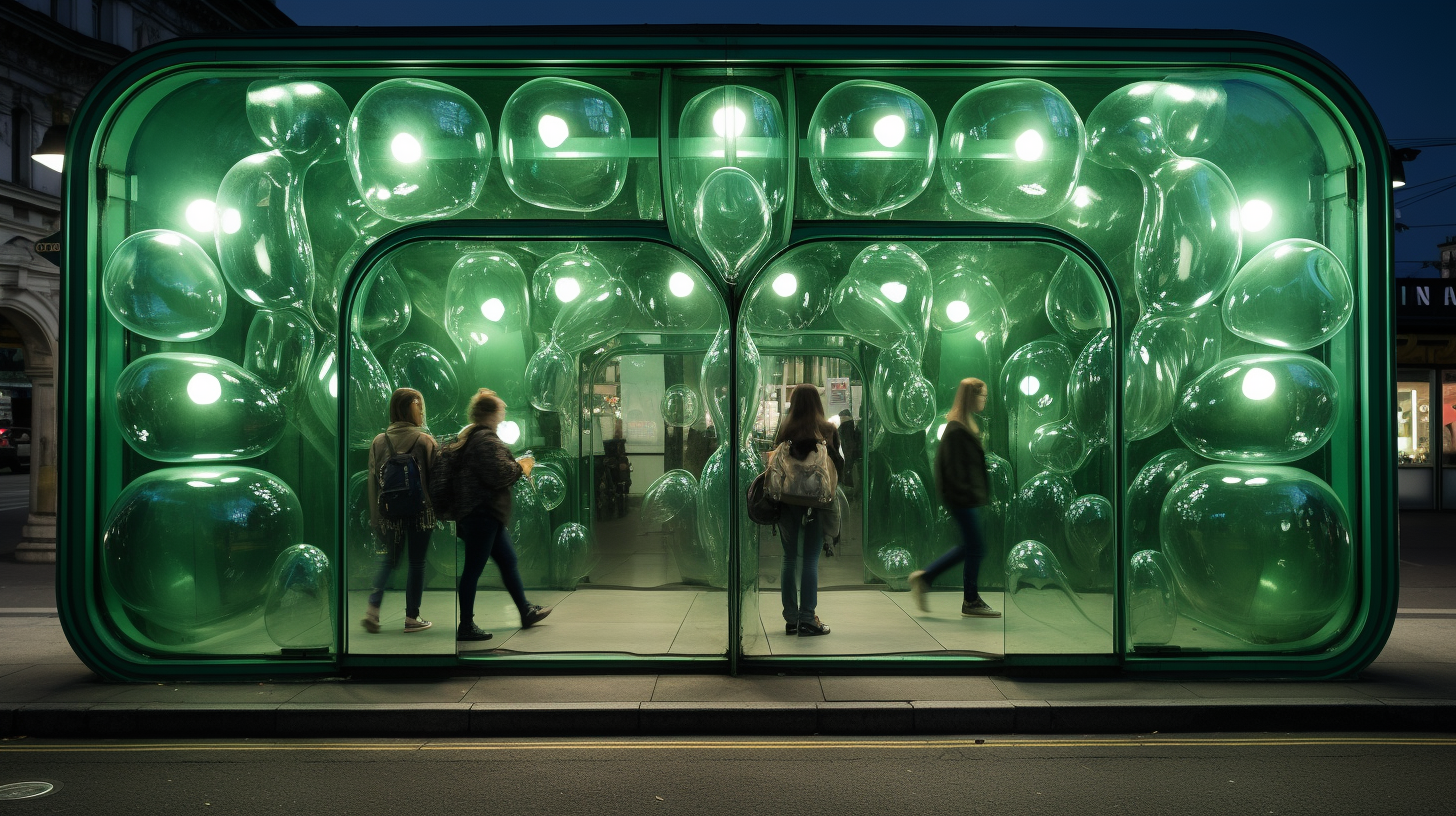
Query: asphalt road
x=1149, y=774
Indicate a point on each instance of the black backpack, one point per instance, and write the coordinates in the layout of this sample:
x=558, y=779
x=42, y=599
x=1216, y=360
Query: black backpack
x=401, y=490
x=442, y=479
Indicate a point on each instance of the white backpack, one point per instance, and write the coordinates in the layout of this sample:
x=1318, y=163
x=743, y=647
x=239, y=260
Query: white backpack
x=807, y=482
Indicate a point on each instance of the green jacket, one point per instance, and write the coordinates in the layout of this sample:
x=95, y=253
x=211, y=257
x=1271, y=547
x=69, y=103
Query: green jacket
x=960, y=468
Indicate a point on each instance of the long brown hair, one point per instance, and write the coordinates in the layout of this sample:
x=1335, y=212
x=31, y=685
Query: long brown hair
x=960, y=410
x=400, y=402
x=805, y=417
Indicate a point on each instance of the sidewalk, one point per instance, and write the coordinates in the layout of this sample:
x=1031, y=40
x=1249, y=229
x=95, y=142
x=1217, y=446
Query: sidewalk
x=46, y=692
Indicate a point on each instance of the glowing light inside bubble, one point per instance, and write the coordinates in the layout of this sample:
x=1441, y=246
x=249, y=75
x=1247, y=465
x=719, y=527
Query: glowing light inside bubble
x=203, y=388
x=940, y=431
x=723, y=116
x=890, y=130
x=1082, y=197
x=406, y=148
x=1030, y=385
x=1029, y=146
x=552, y=130
x=508, y=431
x=567, y=289
x=957, y=310
x=785, y=285
x=232, y=221
x=493, y=309
x=1258, y=384
x=1256, y=215
x=681, y=284
x=894, y=290
x=202, y=215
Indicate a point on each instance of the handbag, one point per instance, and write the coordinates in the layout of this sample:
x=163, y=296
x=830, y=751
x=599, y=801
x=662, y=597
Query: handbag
x=762, y=509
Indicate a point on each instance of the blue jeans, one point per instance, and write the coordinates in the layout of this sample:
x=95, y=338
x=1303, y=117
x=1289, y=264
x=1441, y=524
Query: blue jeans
x=417, y=543
x=485, y=537
x=969, y=552
x=802, y=541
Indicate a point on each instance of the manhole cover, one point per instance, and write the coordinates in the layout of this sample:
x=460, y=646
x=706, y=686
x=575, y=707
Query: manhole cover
x=25, y=790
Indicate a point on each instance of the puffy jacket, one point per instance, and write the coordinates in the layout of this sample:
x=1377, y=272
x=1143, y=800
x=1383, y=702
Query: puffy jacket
x=484, y=475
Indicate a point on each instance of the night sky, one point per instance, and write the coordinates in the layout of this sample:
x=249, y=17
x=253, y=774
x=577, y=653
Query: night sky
x=1400, y=55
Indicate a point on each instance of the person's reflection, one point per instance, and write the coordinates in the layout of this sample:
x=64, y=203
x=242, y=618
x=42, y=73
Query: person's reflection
x=614, y=479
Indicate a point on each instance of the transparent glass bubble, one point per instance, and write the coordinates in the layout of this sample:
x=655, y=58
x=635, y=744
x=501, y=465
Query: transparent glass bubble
x=195, y=407
x=1076, y=306
x=1152, y=368
x=885, y=297
x=871, y=147
x=340, y=228
x=1090, y=394
x=1295, y=294
x=600, y=310
x=1059, y=446
x=369, y=392
x=1146, y=493
x=1283, y=565
x=967, y=300
x=421, y=367
x=161, y=284
x=903, y=525
x=386, y=309
x=299, y=611
x=671, y=293
x=550, y=484
x=998, y=478
x=263, y=246
x=794, y=292
x=278, y=350
x=1038, y=586
x=681, y=406
x=733, y=220
x=708, y=556
x=1104, y=210
x=714, y=378
x=551, y=377
x=191, y=549
x=904, y=398
x=671, y=497
x=1035, y=377
x=1040, y=509
x=1191, y=236
x=329, y=284
x=1152, y=599
x=565, y=145
x=560, y=280
x=733, y=126
x=1090, y=521
x=1142, y=125
x=304, y=121
x=892, y=564
x=418, y=149
x=1012, y=150
x=530, y=531
x=1259, y=408
x=485, y=301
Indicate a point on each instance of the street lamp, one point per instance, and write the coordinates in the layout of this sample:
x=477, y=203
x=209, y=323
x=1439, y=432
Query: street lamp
x=52, y=149
x=1398, y=157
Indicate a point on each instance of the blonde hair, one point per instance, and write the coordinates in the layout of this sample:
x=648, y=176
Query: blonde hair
x=483, y=405
x=960, y=409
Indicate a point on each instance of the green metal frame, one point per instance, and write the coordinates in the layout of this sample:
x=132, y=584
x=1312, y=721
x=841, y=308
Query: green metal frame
x=881, y=49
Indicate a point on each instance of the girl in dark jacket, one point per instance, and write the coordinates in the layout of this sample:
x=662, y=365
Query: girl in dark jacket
x=482, y=492
x=805, y=427
x=960, y=471
x=405, y=434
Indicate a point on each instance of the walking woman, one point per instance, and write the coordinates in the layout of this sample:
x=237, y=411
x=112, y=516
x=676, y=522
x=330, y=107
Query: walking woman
x=804, y=427
x=482, y=492
x=960, y=471
x=411, y=535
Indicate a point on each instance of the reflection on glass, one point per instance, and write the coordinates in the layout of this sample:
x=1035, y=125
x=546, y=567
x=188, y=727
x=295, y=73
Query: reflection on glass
x=1413, y=423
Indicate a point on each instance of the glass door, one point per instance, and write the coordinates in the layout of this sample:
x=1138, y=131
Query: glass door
x=1413, y=439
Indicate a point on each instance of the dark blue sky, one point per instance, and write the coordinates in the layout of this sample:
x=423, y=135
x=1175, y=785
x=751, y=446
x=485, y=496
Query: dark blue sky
x=1399, y=54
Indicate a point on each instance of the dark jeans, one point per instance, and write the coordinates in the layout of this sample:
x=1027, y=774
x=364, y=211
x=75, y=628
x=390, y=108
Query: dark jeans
x=417, y=543
x=969, y=552
x=485, y=538
x=802, y=541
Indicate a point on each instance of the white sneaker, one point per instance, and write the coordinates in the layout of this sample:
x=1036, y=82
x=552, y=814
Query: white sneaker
x=919, y=589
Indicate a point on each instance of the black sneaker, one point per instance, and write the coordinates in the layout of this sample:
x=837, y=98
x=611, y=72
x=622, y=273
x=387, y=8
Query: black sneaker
x=534, y=615
x=471, y=632
x=791, y=628
x=814, y=629
x=978, y=609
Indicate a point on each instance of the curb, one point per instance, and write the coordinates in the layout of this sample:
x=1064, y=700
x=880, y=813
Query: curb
x=112, y=720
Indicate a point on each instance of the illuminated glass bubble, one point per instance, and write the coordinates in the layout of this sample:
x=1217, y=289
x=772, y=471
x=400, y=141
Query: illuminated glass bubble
x=965, y=299
x=1261, y=552
x=278, y=350
x=194, y=407
x=794, y=292
x=1059, y=446
x=1012, y=150
x=1152, y=599
x=263, y=246
x=190, y=549
x=1039, y=509
x=418, y=149
x=574, y=552
x=681, y=406
x=871, y=147
x=565, y=145
x=550, y=484
x=304, y=121
x=1152, y=368
x=1259, y=408
x=1090, y=521
x=1146, y=493
x=893, y=564
x=369, y=392
x=1090, y=394
x=598, y=311
x=671, y=497
x=161, y=284
x=903, y=524
x=672, y=294
x=551, y=378
x=1035, y=377
x=386, y=308
x=1191, y=237
x=1076, y=306
x=885, y=297
x=1205, y=344
x=1104, y=210
x=485, y=301
x=733, y=126
x=904, y=398
x=1142, y=125
x=1295, y=294
x=559, y=280
x=733, y=220
x=419, y=366
x=299, y=611
x=1038, y=586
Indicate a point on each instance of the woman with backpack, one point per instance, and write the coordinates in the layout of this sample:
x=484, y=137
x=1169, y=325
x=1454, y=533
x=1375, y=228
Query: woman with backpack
x=960, y=472
x=399, y=504
x=483, y=472
x=804, y=432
